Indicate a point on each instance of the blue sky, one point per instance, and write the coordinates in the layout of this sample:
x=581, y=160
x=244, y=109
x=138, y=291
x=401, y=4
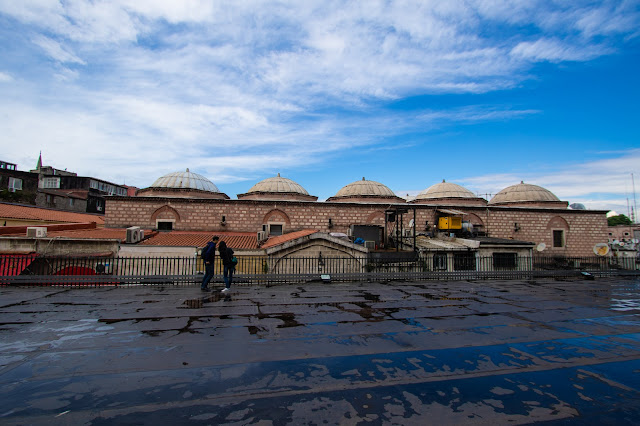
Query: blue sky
x=481, y=93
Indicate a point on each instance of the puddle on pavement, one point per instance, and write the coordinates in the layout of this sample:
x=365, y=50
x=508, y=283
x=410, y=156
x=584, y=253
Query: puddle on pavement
x=200, y=302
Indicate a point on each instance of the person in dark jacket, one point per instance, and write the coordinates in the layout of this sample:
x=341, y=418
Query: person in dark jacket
x=209, y=258
x=226, y=254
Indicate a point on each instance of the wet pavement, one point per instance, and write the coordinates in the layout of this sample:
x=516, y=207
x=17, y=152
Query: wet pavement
x=402, y=353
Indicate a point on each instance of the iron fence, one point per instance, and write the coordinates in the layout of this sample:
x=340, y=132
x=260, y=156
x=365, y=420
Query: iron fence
x=66, y=270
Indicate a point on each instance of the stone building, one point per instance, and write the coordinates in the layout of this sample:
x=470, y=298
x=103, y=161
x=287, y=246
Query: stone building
x=276, y=206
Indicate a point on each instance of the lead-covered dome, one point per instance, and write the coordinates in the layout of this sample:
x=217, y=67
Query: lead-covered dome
x=185, y=180
x=277, y=188
x=183, y=184
x=450, y=193
x=366, y=190
x=528, y=195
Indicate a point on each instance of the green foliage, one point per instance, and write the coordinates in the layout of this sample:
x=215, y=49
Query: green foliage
x=619, y=220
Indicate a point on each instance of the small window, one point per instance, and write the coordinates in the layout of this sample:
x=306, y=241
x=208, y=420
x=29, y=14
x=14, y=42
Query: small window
x=505, y=260
x=51, y=182
x=15, y=184
x=71, y=202
x=440, y=262
x=165, y=225
x=558, y=238
x=275, y=229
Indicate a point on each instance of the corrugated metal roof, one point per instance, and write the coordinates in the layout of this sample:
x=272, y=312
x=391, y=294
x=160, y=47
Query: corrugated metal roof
x=451, y=211
x=280, y=239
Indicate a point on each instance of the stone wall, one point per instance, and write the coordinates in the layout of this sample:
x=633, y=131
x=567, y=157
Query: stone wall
x=59, y=247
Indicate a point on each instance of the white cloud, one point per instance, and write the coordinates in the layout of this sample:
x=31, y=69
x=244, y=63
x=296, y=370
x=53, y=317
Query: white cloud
x=56, y=51
x=5, y=77
x=554, y=50
x=247, y=85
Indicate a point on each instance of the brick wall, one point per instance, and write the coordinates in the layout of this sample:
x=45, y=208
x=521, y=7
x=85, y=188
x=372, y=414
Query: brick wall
x=582, y=229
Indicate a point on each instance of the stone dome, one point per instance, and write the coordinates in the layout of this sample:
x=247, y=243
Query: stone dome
x=525, y=193
x=183, y=184
x=185, y=180
x=277, y=188
x=450, y=193
x=278, y=184
x=445, y=190
x=366, y=189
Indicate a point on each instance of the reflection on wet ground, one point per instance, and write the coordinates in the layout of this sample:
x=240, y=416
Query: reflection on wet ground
x=560, y=351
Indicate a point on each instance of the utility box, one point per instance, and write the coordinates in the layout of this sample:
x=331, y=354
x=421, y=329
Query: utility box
x=450, y=222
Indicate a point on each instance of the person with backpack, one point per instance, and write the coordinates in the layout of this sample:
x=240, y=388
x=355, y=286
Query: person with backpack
x=208, y=254
x=229, y=262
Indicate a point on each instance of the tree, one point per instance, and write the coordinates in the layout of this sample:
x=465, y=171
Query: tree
x=619, y=220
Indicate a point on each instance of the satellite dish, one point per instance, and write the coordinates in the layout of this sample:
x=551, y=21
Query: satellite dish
x=541, y=247
x=601, y=249
x=411, y=223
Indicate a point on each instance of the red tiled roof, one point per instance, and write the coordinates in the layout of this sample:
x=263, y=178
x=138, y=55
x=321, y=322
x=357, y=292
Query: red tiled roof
x=274, y=241
x=13, y=211
x=235, y=240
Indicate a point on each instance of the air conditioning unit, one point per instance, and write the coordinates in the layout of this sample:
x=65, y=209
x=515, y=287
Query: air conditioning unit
x=36, y=231
x=262, y=235
x=371, y=245
x=407, y=233
x=134, y=234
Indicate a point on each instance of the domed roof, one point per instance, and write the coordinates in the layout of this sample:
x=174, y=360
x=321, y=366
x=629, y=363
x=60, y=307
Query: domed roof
x=445, y=190
x=365, y=188
x=524, y=192
x=278, y=184
x=185, y=180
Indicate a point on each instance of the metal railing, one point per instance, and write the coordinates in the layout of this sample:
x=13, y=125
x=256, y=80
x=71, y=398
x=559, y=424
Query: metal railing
x=66, y=270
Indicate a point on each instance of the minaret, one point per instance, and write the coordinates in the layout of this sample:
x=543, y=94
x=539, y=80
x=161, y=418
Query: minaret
x=39, y=166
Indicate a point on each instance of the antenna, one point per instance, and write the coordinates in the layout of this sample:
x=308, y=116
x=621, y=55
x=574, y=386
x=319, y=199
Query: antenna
x=635, y=206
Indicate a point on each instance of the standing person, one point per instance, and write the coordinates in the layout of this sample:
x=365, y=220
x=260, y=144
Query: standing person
x=226, y=254
x=209, y=257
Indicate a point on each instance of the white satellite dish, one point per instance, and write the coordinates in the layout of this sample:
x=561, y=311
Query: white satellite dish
x=601, y=249
x=411, y=223
x=541, y=247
